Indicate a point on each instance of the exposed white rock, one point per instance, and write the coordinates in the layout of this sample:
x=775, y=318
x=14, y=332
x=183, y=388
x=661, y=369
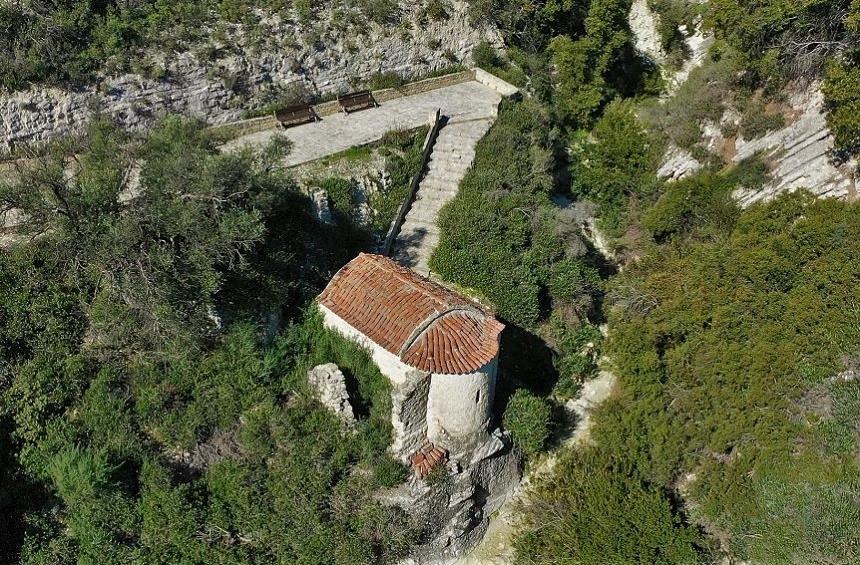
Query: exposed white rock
x=646, y=38
x=456, y=511
x=319, y=201
x=799, y=154
x=218, y=91
x=698, y=44
x=677, y=164
x=329, y=385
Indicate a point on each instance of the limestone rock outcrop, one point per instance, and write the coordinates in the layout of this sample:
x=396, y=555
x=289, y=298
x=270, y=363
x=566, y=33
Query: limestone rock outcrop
x=323, y=58
x=799, y=154
x=456, y=506
x=646, y=38
x=329, y=385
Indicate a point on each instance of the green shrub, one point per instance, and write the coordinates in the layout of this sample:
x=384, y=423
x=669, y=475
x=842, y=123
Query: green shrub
x=702, y=202
x=341, y=196
x=780, y=39
x=390, y=79
x=437, y=10
x=485, y=56
x=590, y=510
x=700, y=98
x=673, y=14
x=401, y=166
x=592, y=69
x=841, y=89
x=578, y=349
x=728, y=376
x=388, y=473
x=528, y=419
x=616, y=163
x=756, y=121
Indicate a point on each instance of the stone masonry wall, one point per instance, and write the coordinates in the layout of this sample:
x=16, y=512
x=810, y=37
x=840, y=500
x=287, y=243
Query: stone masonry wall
x=321, y=60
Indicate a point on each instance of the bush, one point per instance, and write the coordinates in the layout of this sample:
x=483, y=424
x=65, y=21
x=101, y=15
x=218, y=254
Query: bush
x=702, y=202
x=486, y=57
x=729, y=377
x=841, y=89
x=578, y=349
x=528, y=418
x=437, y=10
x=616, y=163
x=380, y=81
x=700, y=98
x=756, y=121
x=590, y=510
x=780, y=39
x=341, y=196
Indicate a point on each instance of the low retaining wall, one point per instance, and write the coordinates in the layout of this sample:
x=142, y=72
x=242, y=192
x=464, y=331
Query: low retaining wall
x=239, y=128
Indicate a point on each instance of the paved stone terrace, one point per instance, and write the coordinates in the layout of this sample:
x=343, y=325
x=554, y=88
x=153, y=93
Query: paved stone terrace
x=333, y=134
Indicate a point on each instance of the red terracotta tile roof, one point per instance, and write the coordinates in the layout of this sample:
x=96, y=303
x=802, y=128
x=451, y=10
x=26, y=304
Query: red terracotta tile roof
x=426, y=458
x=427, y=325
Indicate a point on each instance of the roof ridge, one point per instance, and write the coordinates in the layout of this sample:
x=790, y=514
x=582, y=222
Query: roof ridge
x=428, y=325
x=425, y=326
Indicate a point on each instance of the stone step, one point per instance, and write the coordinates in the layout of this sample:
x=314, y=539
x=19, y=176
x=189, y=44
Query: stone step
x=452, y=156
x=450, y=165
x=434, y=193
x=421, y=217
x=452, y=152
x=433, y=188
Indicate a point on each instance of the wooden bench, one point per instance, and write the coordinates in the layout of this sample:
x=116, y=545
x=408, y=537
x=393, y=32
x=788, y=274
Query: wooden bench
x=356, y=101
x=296, y=115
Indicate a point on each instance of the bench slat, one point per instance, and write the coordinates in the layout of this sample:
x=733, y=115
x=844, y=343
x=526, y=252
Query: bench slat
x=296, y=114
x=356, y=101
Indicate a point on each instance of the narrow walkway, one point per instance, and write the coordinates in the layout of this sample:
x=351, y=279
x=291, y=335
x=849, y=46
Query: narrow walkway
x=333, y=134
x=451, y=157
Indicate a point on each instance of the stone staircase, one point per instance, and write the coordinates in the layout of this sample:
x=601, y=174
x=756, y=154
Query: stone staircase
x=451, y=157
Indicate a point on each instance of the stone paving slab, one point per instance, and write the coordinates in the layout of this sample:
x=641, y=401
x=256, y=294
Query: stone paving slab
x=333, y=134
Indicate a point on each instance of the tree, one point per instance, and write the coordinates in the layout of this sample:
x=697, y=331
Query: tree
x=150, y=226
x=616, y=162
x=841, y=89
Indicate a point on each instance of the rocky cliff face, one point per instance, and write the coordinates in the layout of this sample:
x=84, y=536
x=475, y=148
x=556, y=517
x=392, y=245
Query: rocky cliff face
x=798, y=155
x=321, y=58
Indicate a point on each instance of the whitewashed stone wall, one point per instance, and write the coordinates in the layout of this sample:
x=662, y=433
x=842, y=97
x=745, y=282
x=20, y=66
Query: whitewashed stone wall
x=389, y=364
x=460, y=406
x=450, y=410
x=322, y=60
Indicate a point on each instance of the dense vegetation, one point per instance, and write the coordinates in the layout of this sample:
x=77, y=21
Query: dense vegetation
x=149, y=414
x=733, y=428
x=503, y=238
x=136, y=430
x=577, y=55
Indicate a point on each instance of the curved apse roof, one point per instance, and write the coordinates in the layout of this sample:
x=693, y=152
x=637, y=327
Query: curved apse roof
x=430, y=327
